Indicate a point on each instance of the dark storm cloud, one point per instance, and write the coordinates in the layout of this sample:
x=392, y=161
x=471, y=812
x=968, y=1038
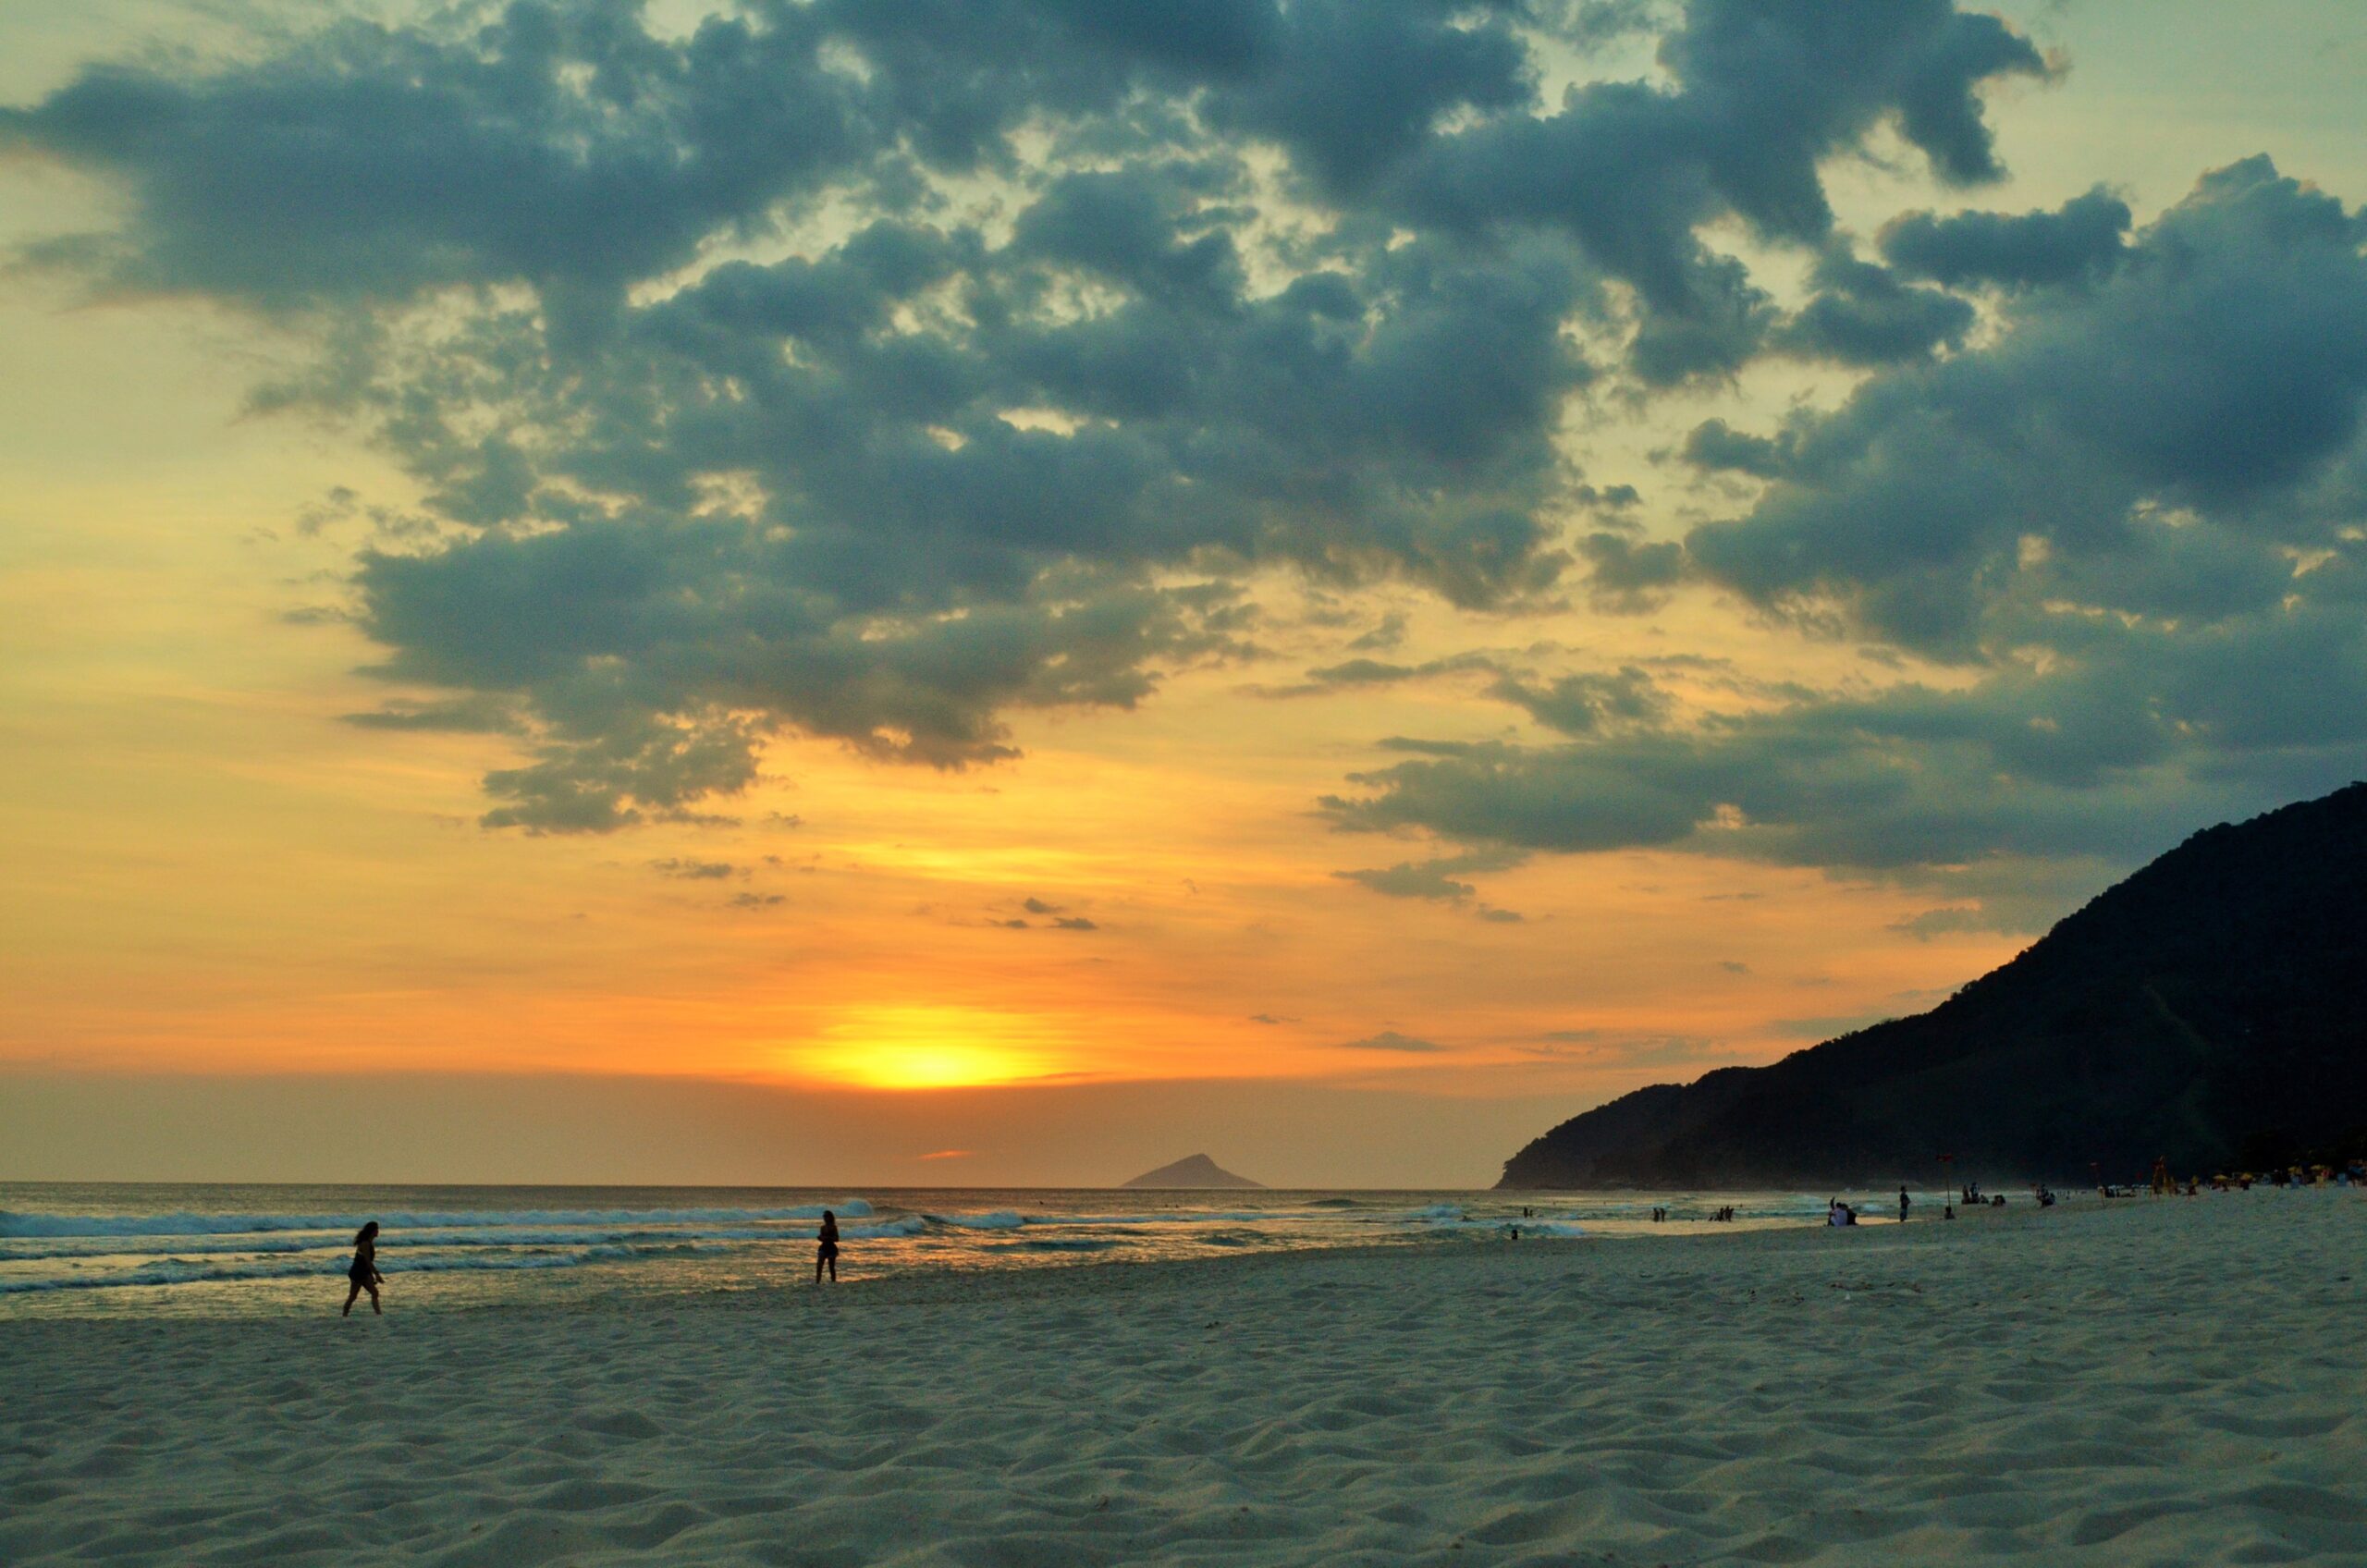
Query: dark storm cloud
x=940, y=467
x=2135, y=517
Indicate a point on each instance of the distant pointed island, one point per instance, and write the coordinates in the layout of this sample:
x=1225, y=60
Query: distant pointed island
x=2208, y=1009
x=1196, y=1170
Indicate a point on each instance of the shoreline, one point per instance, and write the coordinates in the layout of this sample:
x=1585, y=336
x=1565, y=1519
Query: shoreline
x=1098, y=1276
x=2171, y=1380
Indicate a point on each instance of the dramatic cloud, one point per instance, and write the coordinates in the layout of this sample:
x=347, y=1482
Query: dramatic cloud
x=874, y=371
x=2013, y=252
x=2137, y=517
x=2167, y=418
x=1863, y=315
x=1762, y=92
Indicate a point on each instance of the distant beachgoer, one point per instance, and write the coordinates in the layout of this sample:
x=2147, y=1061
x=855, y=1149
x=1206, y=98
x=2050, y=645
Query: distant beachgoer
x=827, y=1254
x=363, y=1273
x=1903, y=1201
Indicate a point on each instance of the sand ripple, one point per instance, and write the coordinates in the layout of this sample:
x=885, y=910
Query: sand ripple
x=2179, y=1382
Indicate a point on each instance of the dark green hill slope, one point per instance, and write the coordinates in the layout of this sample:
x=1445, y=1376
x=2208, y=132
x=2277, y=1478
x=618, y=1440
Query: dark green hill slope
x=2207, y=1009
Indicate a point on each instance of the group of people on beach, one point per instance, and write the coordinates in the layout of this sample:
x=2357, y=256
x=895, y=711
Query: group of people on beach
x=2352, y=1173
x=362, y=1274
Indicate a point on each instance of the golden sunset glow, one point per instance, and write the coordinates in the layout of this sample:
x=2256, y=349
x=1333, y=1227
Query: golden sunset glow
x=1150, y=601
x=926, y=1048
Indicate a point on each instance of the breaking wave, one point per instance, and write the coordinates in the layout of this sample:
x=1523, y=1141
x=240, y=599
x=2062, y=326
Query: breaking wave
x=17, y=1224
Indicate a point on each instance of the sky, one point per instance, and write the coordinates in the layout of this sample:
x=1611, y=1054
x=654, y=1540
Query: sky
x=1000, y=591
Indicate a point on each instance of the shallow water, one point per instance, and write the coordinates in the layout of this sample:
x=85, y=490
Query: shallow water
x=214, y=1250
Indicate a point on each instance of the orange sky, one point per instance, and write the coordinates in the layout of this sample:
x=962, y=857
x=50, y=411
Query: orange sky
x=205, y=875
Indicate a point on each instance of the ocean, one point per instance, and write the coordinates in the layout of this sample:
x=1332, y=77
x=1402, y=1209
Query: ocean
x=237, y=1250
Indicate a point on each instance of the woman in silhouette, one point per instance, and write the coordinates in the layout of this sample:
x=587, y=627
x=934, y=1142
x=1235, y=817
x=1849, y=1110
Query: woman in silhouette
x=363, y=1274
x=827, y=1254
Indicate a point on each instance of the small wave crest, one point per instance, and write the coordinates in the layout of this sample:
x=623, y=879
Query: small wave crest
x=999, y=1220
x=910, y=1225
x=189, y=1272
x=20, y=1224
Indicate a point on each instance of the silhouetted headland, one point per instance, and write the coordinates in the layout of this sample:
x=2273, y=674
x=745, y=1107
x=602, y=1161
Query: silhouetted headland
x=2206, y=1009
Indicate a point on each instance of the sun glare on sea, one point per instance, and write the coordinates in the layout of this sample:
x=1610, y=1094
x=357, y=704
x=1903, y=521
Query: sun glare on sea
x=919, y=1046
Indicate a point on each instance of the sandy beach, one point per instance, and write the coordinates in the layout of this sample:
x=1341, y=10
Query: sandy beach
x=2153, y=1382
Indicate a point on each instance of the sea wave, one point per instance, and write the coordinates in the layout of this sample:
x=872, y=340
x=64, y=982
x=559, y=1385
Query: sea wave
x=22, y=1224
x=1505, y=1227
x=397, y=1241
x=999, y=1220
x=909, y=1225
x=185, y=1271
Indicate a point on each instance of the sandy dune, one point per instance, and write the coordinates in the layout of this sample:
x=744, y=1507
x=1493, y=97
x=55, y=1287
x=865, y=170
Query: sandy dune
x=2159, y=1382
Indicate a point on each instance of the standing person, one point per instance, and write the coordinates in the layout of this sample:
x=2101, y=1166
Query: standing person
x=1903, y=1201
x=362, y=1274
x=826, y=1255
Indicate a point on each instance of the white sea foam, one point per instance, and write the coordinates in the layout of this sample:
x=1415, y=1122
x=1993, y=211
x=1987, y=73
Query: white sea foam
x=17, y=1224
x=290, y=1237
x=388, y=1241
x=1171, y=1217
x=909, y=1225
x=184, y=1271
x=1505, y=1227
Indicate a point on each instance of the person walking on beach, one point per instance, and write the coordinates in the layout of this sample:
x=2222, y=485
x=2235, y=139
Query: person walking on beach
x=363, y=1273
x=1903, y=1201
x=826, y=1255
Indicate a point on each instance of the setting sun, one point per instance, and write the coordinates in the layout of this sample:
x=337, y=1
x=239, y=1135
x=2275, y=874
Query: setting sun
x=929, y=1047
